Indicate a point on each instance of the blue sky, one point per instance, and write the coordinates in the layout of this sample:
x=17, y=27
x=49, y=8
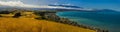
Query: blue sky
x=97, y=4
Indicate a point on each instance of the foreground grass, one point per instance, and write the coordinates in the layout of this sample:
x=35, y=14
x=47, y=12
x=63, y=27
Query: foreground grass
x=33, y=25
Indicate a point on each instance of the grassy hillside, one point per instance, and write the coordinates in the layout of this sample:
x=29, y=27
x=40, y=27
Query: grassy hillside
x=33, y=25
x=26, y=22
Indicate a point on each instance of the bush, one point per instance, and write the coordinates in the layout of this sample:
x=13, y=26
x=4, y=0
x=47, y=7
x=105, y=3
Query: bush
x=17, y=15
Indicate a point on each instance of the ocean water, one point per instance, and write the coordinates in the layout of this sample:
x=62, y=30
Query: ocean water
x=104, y=20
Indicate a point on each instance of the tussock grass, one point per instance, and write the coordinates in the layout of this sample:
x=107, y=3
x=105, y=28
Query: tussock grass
x=33, y=25
x=27, y=23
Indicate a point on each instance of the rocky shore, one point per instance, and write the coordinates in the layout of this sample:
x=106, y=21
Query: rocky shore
x=53, y=17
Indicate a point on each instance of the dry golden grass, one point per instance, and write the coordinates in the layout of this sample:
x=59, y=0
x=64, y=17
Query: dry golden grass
x=27, y=23
x=33, y=25
x=6, y=15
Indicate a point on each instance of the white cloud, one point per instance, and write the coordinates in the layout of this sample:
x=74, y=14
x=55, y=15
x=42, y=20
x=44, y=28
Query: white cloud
x=21, y=4
x=17, y=4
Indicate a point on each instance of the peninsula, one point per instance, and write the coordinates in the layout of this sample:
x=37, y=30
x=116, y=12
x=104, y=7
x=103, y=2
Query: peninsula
x=39, y=21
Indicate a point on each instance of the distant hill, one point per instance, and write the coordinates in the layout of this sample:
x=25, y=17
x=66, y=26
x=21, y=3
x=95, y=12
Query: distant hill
x=101, y=11
x=104, y=10
x=69, y=6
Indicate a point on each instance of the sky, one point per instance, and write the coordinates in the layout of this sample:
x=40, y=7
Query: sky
x=96, y=4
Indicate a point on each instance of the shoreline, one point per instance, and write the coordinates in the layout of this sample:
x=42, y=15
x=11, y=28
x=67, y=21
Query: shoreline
x=53, y=17
x=48, y=15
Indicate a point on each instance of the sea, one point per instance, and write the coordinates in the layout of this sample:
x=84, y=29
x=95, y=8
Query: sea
x=103, y=20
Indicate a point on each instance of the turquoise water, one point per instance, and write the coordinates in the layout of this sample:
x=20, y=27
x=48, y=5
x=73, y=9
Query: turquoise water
x=103, y=20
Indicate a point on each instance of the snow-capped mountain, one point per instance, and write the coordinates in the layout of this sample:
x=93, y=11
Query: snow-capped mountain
x=70, y=6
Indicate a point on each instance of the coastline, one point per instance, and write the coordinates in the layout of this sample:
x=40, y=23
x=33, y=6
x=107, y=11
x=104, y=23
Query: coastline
x=53, y=17
x=48, y=15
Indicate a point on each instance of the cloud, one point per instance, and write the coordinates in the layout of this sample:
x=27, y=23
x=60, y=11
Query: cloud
x=17, y=4
x=21, y=4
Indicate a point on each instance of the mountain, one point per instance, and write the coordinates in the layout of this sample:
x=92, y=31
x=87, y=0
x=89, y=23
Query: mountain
x=101, y=10
x=105, y=10
x=70, y=6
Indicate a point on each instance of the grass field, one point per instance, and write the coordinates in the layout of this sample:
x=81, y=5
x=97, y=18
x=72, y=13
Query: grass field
x=33, y=25
x=28, y=23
